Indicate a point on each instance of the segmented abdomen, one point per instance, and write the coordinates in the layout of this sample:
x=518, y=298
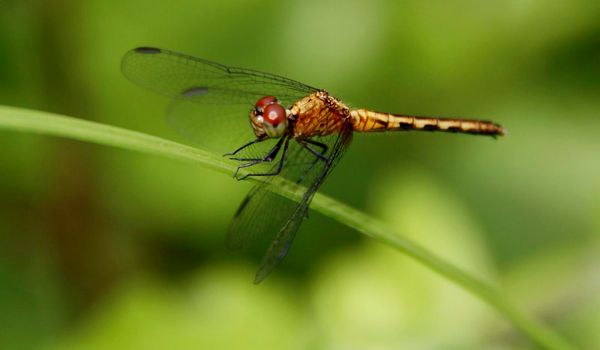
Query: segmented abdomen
x=366, y=121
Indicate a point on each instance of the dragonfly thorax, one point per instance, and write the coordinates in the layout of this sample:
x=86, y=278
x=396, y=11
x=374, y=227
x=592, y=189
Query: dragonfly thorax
x=269, y=119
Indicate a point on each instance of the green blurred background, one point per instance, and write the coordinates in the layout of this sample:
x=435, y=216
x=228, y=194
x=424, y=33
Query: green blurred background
x=107, y=249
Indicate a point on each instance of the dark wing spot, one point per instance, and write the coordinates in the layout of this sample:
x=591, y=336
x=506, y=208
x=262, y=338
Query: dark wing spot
x=195, y=91
x=147, y=50
x=406, y=126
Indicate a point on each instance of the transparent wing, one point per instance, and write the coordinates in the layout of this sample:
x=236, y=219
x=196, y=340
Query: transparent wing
x=264, y=214
x=210, y=107
x=211, y=101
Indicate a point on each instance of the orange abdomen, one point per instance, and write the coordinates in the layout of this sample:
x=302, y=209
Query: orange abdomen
x=366, y=121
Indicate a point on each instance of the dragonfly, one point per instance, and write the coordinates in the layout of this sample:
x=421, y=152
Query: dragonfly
x=272, y=126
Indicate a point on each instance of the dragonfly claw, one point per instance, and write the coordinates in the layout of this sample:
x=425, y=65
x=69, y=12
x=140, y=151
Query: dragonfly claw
x=235, y=175
x=239, y=178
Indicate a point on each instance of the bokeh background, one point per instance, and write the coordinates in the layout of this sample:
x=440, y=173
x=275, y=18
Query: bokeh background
x=102, y=248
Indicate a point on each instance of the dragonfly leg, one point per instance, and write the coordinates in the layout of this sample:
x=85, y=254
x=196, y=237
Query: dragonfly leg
x=321, y=145
x=268, y=158
x=318, y=155
x=244, y=146
x=279, y=166
x=252, y=161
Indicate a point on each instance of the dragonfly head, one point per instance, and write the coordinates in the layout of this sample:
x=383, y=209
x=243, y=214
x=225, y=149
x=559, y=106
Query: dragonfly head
x=269, y=118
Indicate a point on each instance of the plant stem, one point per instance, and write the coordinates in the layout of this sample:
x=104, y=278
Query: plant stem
x=51, y=124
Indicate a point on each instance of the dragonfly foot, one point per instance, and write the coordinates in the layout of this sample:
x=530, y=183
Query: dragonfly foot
x=235, y=174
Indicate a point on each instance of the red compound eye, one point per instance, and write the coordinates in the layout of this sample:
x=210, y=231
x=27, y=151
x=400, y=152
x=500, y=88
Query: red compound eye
x=265, y=101
x=274, y=114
